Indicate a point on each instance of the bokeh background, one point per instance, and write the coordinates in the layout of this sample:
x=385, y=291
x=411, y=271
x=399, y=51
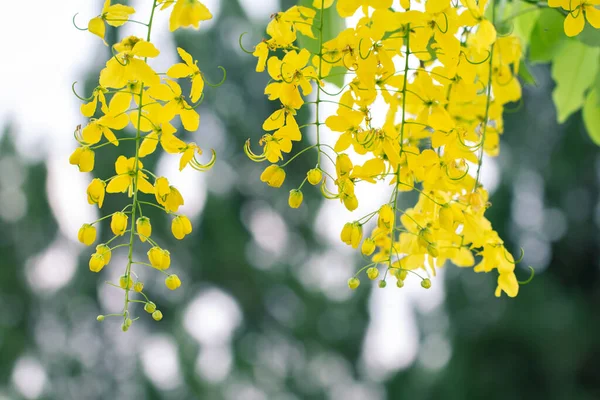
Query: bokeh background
x=264, y=311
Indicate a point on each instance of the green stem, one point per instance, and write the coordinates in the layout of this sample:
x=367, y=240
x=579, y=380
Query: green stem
x=137, y=171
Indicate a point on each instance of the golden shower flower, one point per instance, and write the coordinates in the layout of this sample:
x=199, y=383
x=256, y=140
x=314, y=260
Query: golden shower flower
x=181, y=226
x=87, y=234
x=118, y=223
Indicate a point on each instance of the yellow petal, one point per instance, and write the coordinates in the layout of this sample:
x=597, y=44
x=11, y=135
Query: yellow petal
x=574, y=26
x=97, y=27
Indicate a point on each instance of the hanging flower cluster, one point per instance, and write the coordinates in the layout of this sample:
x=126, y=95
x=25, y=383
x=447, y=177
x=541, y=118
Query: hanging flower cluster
x=444, y=76
x=131, y=92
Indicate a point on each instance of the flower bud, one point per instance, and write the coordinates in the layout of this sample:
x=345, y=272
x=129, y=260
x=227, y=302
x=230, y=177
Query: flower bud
x=83, y=157
x=127, y=322
x=105, y=251
x=96, y=192
x=181, y=226
x=343, y=165
x=97, y=262
x=157, y=315
x=118, y=223
x=149, y=307
x=426, y=283
x=159, y=258
x=353, y=283
x=385, y=222
x=143, y=228
x=273, y=175
x=172, y=282
x=295, y=199
x=400, y=283
x=100, y=318
x=125, y=282
x=382, y=284
x=372, y=273
x=161, y=190
x=350, y=202
x=124, y=328
x=138, y=287
x=352, y=234
x=87, y=234
x=433, y=250
x=314, y=176
x=368, y=247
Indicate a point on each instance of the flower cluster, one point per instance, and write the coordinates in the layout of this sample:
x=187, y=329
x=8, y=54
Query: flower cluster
x=444, y=76
x=131, y=92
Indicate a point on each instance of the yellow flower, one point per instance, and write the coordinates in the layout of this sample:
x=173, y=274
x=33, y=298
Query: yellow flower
x=83, y=157
x=347, y=8
x=118, y=223
x=281, y=140
x=97, y=262
x=125, y=67
x=170, y=92
x=187, y=13
x=89, y=109
x=386, y=218
x=115, y=15
x=105, y=252
x=87, y=234
x=582, y=10
x=159, y=258
x=507, y=283
x=273, y=175
x=172, y=282
x=181, y=226
x=188, y=70
x=352, y=234
x=143, y=228
x=295, y=199
x=125, y=282
x=167, y=196
x=138, y=287
x=125, y=179
x=368, y=247
x=95, y=192
x=115, y=118
x=314, y=176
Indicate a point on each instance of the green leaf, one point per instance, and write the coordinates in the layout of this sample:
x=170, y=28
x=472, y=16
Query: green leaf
x=526, y=74
x=589, y=36
x=547, y=36
x=596, y=85
x=333, y=24
x=525, y=22
x=591, y=115
x=574, y=71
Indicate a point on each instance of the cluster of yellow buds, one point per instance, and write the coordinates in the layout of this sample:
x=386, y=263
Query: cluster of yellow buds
x=443, y=110
x=130, y=91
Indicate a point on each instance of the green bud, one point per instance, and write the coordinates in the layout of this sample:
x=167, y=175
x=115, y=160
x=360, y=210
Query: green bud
x=382, y=284
x=157, y=315
x=100, y=318
x=426, y=283
x=372, y=273
x=149, y=307
x=400, y=283
x=353, y=283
